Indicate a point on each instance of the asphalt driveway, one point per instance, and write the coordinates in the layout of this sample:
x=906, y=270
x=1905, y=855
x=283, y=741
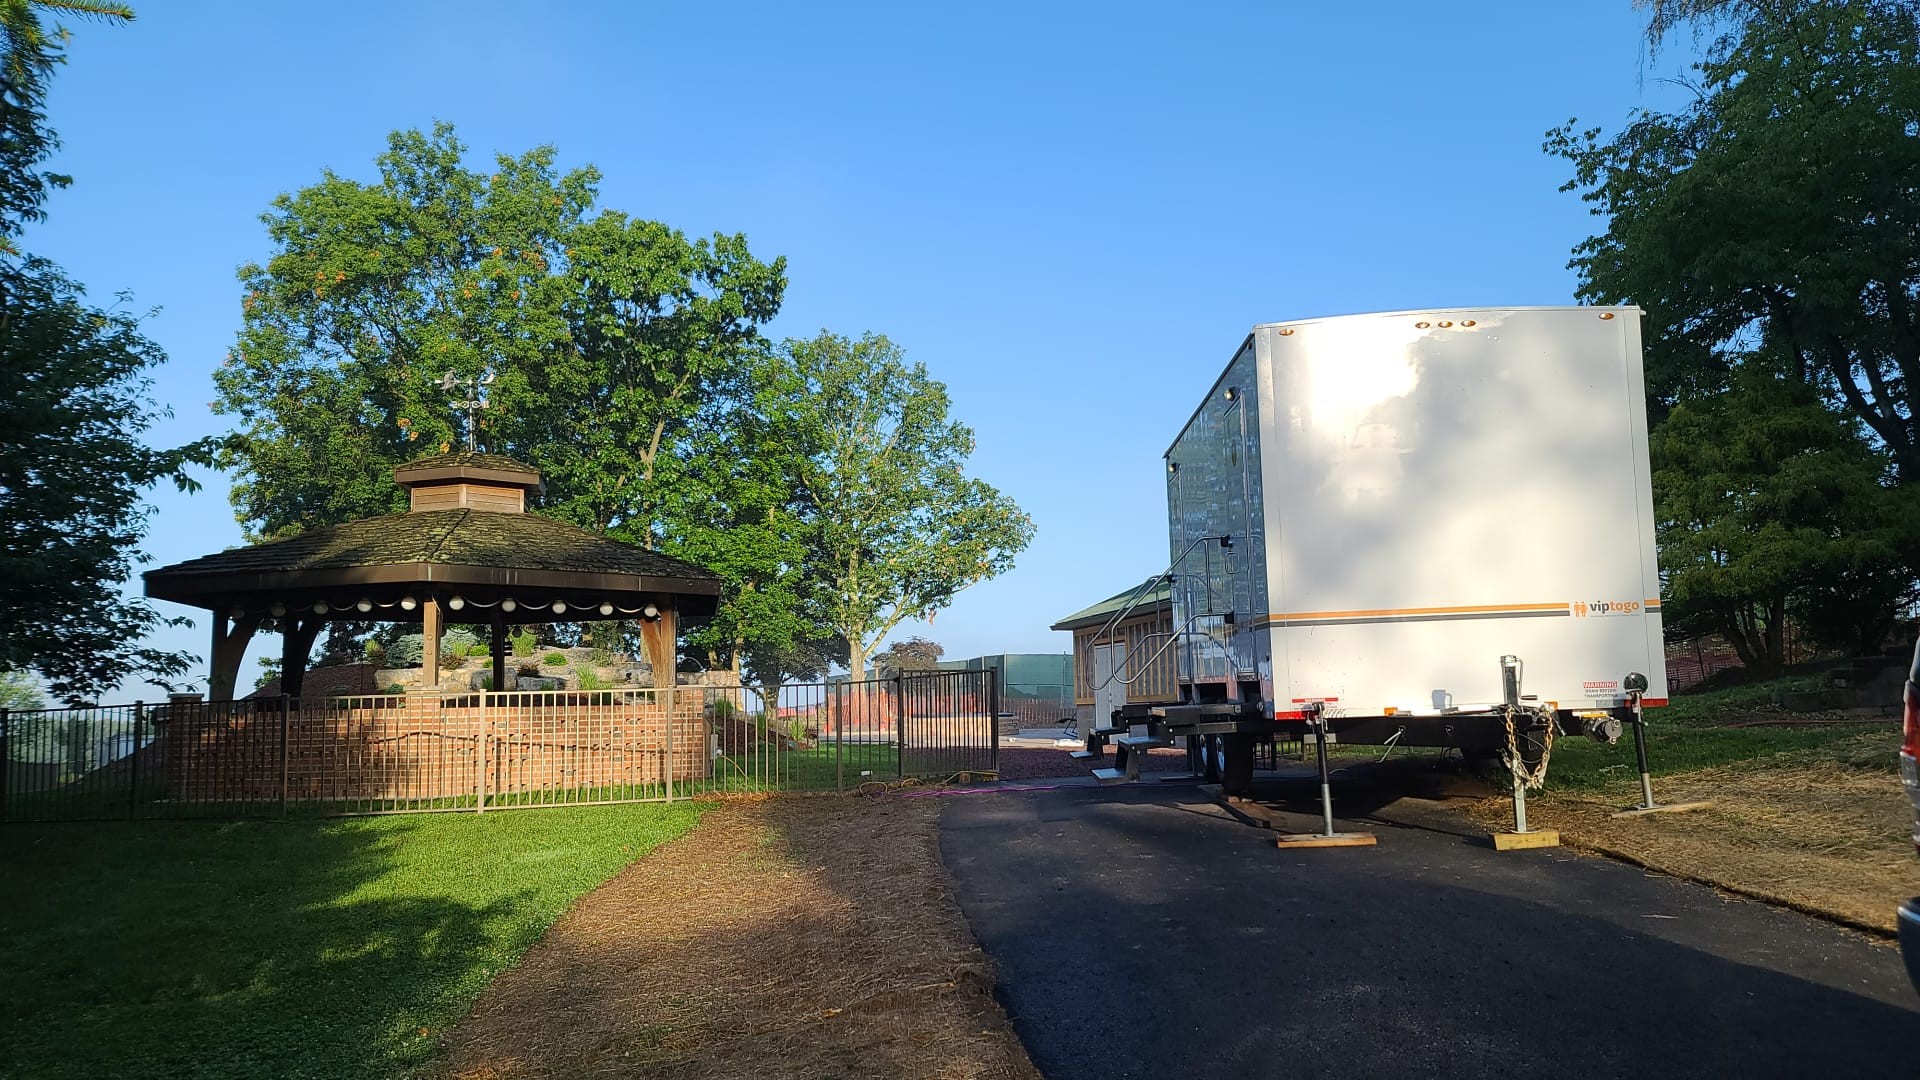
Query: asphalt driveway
x=1141, y=933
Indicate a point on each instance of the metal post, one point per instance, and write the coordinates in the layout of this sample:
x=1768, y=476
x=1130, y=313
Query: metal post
x=133, y=765
x=673, y=688
x=6, y=755
x=1519, y=806
x=286, y=739
x=479, y=750
x=900, y=724
x=1326, y=785
x=1640, y=754
x=993, y=721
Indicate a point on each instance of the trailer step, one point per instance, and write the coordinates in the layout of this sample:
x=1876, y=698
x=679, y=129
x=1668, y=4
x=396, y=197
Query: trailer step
x=1141, y=742
x=1083, y=755
x=1111, y=776
x=1109, y=731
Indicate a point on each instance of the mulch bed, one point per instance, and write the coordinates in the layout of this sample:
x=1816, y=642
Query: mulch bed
x=1045, y=763
x=1825, y=837
x=788, y=937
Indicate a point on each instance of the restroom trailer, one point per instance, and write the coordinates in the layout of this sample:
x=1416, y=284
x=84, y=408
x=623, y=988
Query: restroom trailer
x=1423, y=528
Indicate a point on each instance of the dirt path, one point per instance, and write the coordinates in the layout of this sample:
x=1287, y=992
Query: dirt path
x=794, y=937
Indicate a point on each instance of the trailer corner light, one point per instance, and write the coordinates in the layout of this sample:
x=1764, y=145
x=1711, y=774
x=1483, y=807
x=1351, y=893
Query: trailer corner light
x=1606, y=314
x=1390, y=710
x=1421, y=325
x=1233, y=393
x=1172, y=467
x=1286, y=331
x=1467, y=322
x=1445, y=323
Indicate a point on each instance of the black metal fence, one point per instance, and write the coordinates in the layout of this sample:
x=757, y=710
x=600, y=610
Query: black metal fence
x=476, y=751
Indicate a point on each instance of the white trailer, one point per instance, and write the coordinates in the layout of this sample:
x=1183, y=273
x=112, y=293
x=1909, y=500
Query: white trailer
x=1429, y=528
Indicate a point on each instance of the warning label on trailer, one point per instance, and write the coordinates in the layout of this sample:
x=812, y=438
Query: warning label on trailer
x=1601, y=688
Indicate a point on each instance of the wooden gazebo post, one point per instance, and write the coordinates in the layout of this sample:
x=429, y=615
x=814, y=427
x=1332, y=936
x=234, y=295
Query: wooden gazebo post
x=660, y=637
x=430, y=642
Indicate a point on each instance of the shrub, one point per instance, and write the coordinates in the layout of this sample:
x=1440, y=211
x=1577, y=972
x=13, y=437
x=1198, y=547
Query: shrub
x=555, y=659
x=592, y=680
x=457, y=642
x=522, y=642
x=530, y=670
x=449, y=661
x=375, y=652
x=723, y=709
x=396, y=688
x=405, y=650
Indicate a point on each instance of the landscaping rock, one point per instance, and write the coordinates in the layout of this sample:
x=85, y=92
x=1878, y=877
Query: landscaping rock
x=526, y=682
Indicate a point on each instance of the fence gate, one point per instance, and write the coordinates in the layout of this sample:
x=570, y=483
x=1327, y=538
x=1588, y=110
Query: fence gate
x=479, y=751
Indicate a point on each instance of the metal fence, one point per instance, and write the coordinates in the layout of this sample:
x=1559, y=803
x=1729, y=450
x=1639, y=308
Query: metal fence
x=411, y=753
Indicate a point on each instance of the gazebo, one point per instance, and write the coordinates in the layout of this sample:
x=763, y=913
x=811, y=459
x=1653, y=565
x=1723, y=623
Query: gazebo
x=466, y=551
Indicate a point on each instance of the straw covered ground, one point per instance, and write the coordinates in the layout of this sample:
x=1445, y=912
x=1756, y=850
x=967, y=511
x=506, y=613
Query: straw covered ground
x=1827, y=830
x=791, y=937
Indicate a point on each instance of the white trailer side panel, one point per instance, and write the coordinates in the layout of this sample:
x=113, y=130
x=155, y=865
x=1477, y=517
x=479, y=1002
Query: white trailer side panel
x=1439, y=489
x=1451, y=494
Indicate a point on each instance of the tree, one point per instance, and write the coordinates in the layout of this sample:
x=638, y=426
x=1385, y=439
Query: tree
x=605, y=337
x=737, y=513
x=28, y=55
x=1771, y=231
x=74, y=406
x=914, y=654
x=897, y=527
x=1769, y=505
x=1782, y=207
x=18, y=690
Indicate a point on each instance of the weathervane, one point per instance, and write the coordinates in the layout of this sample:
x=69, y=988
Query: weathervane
x=451, y=382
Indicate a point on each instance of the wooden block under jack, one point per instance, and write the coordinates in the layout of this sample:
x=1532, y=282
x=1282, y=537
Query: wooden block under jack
x=1669, y=808
x=1339, y=839
x=1535, y=838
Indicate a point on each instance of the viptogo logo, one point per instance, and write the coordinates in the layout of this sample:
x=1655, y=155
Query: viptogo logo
x=1595, y=608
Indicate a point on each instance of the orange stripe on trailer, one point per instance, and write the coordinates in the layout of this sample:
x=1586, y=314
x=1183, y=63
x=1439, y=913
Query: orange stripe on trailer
x=1473, y=609
x=1652, y=702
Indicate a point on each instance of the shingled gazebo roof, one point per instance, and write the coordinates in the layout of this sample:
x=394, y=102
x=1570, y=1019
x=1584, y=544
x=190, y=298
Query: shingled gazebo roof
x=480, y=556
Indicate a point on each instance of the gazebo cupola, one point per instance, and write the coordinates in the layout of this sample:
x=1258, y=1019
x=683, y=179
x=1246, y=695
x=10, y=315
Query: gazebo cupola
x=470, y=481
x=467, y=551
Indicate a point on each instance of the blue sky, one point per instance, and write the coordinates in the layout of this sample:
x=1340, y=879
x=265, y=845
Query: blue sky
x=1071, y=215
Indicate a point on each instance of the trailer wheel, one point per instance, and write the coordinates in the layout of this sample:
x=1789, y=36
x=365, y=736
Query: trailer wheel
x=1210, y=758
x=1236, y=773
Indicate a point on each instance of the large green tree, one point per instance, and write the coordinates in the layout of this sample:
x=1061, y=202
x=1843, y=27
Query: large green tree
x=74, y=409
x=1771, y=231
x=898, y=528
x=1782, y=206
x=1769, y=504
x=605, y=336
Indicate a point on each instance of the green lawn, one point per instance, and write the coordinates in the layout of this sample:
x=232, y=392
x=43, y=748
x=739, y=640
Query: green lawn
x=826, y=767
x=284, y=949
x=1580, y=764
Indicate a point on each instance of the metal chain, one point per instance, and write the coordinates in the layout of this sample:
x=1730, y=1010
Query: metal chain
x=1532, y=778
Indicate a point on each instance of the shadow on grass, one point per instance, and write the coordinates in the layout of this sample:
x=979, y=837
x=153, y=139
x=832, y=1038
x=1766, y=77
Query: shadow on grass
x=303, y=949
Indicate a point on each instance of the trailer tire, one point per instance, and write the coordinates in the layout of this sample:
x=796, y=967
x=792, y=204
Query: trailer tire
x=1210, y=758
x=1236, y=773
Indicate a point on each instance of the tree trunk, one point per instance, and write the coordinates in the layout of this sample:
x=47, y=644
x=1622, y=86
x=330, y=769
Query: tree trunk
x=856, y=658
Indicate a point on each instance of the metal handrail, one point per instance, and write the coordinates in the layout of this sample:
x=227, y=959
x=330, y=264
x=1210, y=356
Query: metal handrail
x=1147, y=586
x=1171, y=636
